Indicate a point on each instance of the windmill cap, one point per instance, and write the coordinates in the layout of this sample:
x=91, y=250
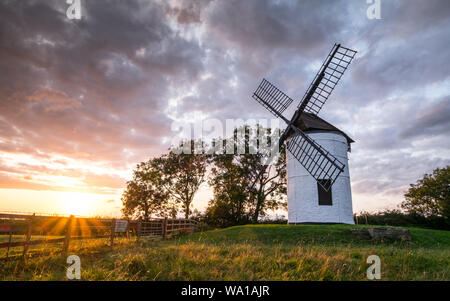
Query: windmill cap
x=309, y=122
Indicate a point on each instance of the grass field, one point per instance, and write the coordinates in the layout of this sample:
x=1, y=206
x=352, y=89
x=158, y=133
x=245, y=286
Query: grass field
x=254, y=252
x=17, y=251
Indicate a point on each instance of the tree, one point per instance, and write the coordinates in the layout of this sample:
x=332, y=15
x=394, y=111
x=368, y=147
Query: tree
x=270, y=189
x=143, y=196
x=235, y=199
x=230, y=185
x=430, y=196
x=182, y=174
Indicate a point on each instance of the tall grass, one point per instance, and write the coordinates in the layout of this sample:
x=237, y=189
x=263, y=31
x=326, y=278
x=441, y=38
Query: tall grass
x=261, y=252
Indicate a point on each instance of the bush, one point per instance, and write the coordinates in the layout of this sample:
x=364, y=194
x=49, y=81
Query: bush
x=401, y=219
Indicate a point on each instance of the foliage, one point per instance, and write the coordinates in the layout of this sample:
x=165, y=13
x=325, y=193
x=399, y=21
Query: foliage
x=164, y=184
x=398, y=218
x=430, y=196
x=269, y=192
x=143, y=196
x=160, y=185
x=228, y=207
x=275, y=220
x=427, y=204
x=236, y=200
x=182, y=174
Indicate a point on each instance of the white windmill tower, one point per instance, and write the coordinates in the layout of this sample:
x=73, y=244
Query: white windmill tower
x=317, y=162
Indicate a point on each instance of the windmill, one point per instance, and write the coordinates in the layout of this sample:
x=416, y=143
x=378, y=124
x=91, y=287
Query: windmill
x=318, y=179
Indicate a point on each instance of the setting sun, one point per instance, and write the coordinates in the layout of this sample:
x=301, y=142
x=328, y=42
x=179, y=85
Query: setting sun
x=77, y=204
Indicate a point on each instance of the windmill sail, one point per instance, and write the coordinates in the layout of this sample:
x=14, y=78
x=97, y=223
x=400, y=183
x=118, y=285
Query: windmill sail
x=272, y=98
x=327, y=78
x=322, y=165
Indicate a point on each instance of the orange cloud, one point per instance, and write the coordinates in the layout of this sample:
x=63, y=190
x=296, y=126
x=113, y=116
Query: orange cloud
x=54, y=100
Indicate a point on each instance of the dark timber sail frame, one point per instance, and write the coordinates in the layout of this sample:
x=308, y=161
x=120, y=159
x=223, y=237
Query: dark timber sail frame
x=313, y=157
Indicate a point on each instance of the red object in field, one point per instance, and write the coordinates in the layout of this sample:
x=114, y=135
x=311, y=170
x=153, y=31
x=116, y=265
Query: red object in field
x=5, y=228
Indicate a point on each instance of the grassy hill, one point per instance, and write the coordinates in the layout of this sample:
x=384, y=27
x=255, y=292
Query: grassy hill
x=254, y=252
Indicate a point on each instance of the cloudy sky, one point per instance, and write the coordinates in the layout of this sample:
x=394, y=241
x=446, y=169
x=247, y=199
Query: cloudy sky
x=83, y=101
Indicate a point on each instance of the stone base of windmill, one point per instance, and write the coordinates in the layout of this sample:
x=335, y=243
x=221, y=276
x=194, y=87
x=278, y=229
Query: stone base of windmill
x=382, y=233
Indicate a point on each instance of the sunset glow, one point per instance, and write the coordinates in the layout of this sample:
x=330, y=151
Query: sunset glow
x=83, y=101
x=78, y=204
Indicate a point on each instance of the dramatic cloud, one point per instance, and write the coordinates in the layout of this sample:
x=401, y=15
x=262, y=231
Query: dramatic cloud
x=431, y=121
x=83, y=101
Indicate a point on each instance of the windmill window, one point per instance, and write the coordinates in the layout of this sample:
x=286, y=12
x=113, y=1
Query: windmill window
x=324, y=196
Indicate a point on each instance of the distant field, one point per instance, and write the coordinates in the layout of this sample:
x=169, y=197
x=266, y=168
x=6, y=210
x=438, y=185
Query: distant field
x=254, y=252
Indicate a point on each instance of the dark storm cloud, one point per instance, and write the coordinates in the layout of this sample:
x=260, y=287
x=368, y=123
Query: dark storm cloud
x=266, y=35
x=98, y=89
x=248, y=40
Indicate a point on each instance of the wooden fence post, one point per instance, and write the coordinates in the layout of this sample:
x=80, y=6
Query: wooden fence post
x=139, y=227
x=128, y=229
x=68, y=233
x=28, y=235
x=366, y=219
x=113, y=231
x=164, y=227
